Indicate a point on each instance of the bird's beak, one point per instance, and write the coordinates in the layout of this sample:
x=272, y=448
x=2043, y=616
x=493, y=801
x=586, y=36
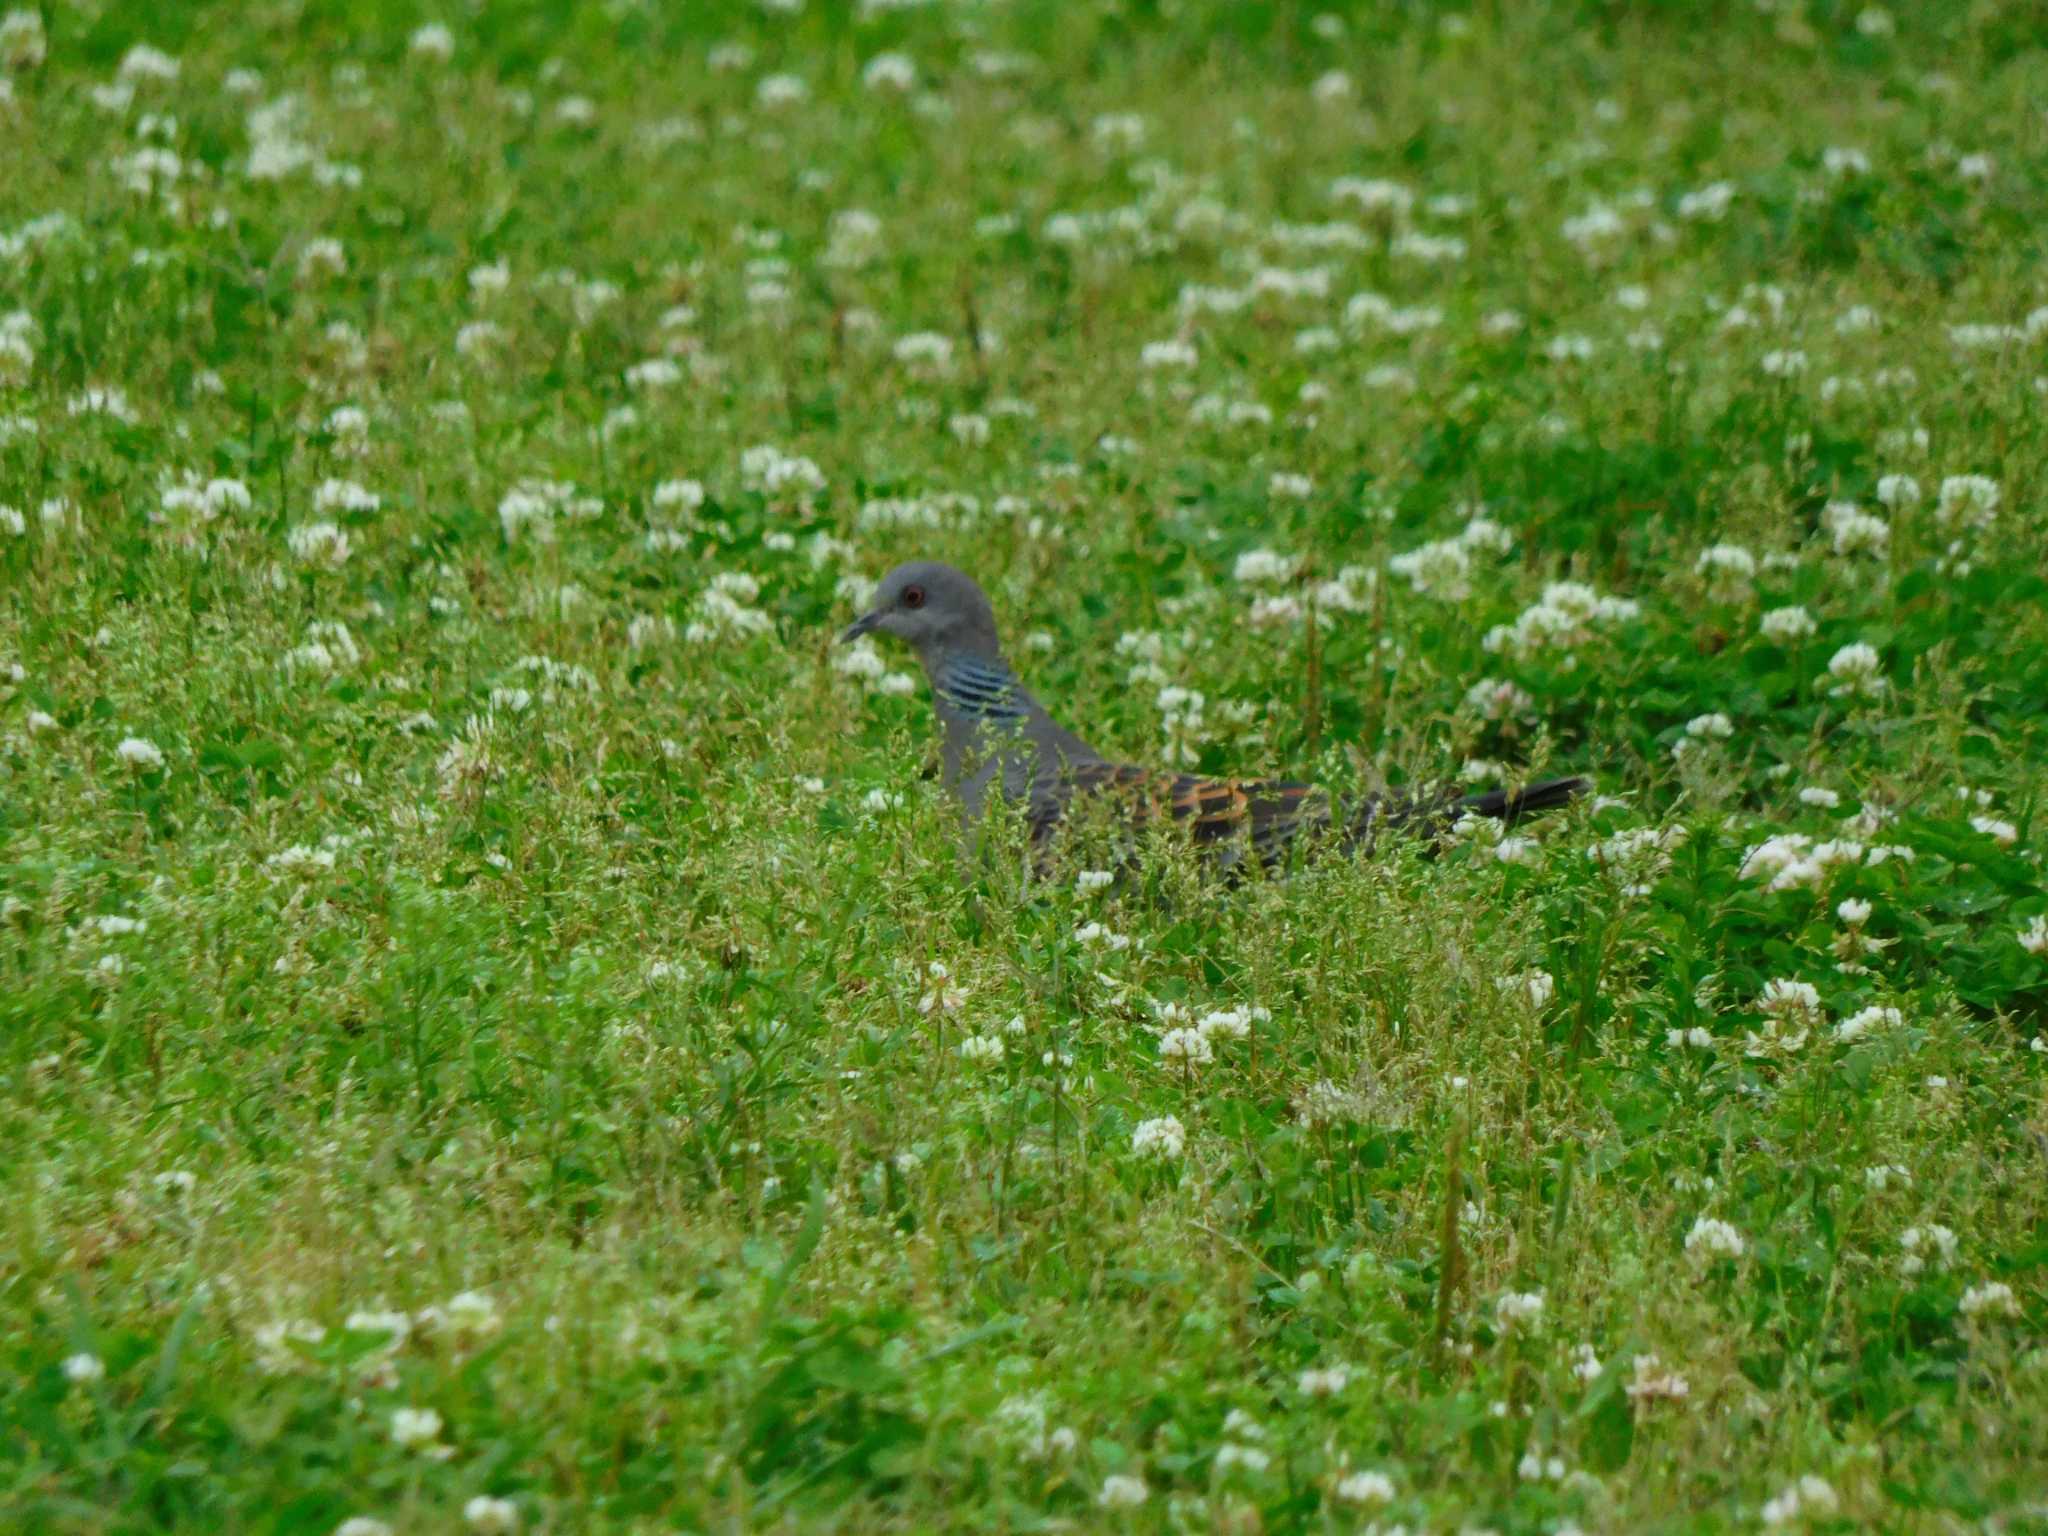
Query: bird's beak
x=859, y=627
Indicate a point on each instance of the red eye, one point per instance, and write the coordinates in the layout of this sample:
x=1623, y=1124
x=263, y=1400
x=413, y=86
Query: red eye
x=913, y=597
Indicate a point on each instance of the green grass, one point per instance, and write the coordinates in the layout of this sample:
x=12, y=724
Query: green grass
x=528, y=1011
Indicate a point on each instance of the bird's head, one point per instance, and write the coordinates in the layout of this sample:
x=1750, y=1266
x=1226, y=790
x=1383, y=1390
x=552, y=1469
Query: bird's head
x=932, y=607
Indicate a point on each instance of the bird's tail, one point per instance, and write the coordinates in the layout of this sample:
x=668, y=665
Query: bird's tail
x=1432, y=814
x=1513, y=804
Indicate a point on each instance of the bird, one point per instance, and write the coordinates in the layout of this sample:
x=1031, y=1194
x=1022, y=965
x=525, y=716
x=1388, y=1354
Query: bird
x=998, y=742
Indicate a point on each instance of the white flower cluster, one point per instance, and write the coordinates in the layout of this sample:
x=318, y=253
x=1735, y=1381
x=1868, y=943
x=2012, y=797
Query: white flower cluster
x=186, y=503
x=529, y=510
x=1810, y=1498
x=725, y=610
x=1163, y=1139
x=1182, y=718
x=781, y=477
x=1791, y=860
x=1712, y=1238
x=1569, y=615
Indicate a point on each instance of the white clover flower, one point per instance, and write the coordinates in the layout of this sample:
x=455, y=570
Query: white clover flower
x=2003, y=833
x=1994, y=1298
x=1933, y=1245
x=1121, y=1490
x=1091, y=882
x=1858, y=672
x=778, y=91
x=647, y=630
x=889, y=72
x=23, y=43
x=1099, y=936
x=1188, y=1047
x=1441, y=569
x=1650, y=1383
x=1365, y=1488
x=1569, y=615
x=1535, y=986
x=1712, y=1238
x=1864, y=1020
x=139, y=755
x=397, y=1326
x=1162, y=1139
x=1787, y=625
x=142, y=62
x=654, y=374
x=1854, y=531
x=322, y=257
x=1730, y=570
x=1230, y=1457
x=942, y=995
x=1853, y=911
x=473, y=1313
x=1811, y=1498
x=1168, y=354
x=1967, y=501
x=1496, y=699
x=1708, y=204
x=415, y=1429
x=1264, y=567
x=17, y=359
x=320, y=544
x=364, y=1525
x=780, y=476
x=1518, y=1311
x=2034, y=937
x=1694, y=1039
x=479, y=339
x=1323, y=1381
x=724, y=610
x=491, y=1517
x=981, y=1050
x=82, y=1369
x=432, y=41
x=1836, y=852
x=1784, y=998
x=344, y=496
x=299, y=859
x=683, y=496
x=927, y=350
x=1230, y=1023
x=1900, y=493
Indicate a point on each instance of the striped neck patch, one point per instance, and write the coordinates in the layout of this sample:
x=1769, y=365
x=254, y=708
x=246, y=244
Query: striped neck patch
x=982, y=690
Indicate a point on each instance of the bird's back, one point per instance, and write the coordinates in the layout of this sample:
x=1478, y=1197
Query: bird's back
x=1266, y=818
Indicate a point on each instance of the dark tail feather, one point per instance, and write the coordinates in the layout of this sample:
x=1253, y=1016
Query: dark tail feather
x=1512, y=805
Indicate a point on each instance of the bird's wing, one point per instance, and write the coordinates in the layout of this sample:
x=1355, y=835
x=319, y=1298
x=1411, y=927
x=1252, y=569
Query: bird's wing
x=1266, y=813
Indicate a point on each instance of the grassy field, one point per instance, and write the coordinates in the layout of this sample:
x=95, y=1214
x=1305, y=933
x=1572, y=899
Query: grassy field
x=497, y=1031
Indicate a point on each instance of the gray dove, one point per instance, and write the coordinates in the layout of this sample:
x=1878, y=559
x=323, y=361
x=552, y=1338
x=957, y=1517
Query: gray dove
x=998, y=740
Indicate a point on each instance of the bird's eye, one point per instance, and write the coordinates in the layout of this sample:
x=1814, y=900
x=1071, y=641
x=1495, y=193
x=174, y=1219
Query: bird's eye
x=913, y=597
